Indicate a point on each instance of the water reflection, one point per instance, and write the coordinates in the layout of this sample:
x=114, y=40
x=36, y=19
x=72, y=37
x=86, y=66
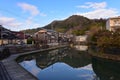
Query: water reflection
x=70, y=56
x=62, y=71
x=59, y=64
x=69, y=64
x=81, y=47
x=106, y=69
x=31, y=66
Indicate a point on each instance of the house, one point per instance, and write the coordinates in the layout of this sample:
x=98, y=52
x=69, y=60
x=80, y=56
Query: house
x=11, y=37
x=64, y=38
x=46, y=36
x=20, y=37
x=81, y=39
x=113, y=23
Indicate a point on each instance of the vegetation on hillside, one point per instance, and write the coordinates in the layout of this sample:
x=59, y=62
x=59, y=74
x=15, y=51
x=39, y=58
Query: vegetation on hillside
x=75, y=24
x=106, y=41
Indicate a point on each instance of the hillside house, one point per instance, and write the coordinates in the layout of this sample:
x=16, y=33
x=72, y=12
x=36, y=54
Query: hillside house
x=81, y=39
x=46, y=36
x=113, y=23
x=11, y=37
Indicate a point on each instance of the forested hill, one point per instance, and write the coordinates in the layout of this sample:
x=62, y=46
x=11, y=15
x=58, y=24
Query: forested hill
x=75, y=24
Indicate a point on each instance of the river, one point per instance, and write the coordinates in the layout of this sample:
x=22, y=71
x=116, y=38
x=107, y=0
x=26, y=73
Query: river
x=69, y=64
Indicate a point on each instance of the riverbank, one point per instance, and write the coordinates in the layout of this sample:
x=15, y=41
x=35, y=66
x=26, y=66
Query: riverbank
x=17, y=72
x=104, y=55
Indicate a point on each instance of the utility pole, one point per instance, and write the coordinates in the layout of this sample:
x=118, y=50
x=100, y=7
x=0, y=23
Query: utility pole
x=24, y=36
x=52, y=26
x=1, y=34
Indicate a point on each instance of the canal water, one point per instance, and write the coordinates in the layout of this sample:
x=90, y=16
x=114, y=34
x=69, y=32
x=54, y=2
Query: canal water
x=69, y=64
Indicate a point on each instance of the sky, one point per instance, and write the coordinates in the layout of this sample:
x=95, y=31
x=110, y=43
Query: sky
x=19, y=15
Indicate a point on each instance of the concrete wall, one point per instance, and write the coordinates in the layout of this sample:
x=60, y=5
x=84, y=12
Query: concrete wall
x=17, y=41
x=81, y=38
x=113, y=23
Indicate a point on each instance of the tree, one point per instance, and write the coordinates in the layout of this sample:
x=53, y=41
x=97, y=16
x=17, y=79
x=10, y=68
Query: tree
x=107, y=41
x=78, y=32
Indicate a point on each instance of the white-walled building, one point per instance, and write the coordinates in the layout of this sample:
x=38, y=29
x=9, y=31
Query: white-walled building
x=113, y=23
x=81, y=39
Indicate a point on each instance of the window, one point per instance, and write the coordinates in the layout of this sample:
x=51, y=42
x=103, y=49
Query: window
x=117, y=22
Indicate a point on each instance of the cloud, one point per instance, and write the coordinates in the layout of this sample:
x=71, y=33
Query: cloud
x=93, y=5
x=13, y=24
x=100, y=13
x=33, y=10
x=30, y=8
x=98, y=10
x=30, y=22
x=88, y=67
x=42, y=14
x=36, y=25
x=7, y=21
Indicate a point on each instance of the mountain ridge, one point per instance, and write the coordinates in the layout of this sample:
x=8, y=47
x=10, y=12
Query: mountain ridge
x=71, y=24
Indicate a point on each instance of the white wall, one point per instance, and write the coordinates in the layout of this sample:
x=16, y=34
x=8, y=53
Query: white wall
x=81, y=38
x=108, y=24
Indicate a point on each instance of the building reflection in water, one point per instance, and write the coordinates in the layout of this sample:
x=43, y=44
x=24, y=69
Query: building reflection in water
x=70, y=56
x=72, y=62
x=65, y=63
x=81, y=47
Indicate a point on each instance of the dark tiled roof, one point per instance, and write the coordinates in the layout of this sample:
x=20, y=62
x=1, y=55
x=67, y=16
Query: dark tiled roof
x=7, y=34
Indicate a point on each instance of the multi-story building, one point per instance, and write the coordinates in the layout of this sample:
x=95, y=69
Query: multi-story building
x=113, y=23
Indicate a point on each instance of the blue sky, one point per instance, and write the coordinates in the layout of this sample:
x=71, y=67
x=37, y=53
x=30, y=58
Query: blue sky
x=27, y=14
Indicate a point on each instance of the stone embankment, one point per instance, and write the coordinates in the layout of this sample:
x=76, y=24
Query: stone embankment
x=104, y=55
x=15, y=71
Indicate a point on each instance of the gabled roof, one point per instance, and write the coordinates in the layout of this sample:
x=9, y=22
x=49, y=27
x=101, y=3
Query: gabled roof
x=8, y=34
